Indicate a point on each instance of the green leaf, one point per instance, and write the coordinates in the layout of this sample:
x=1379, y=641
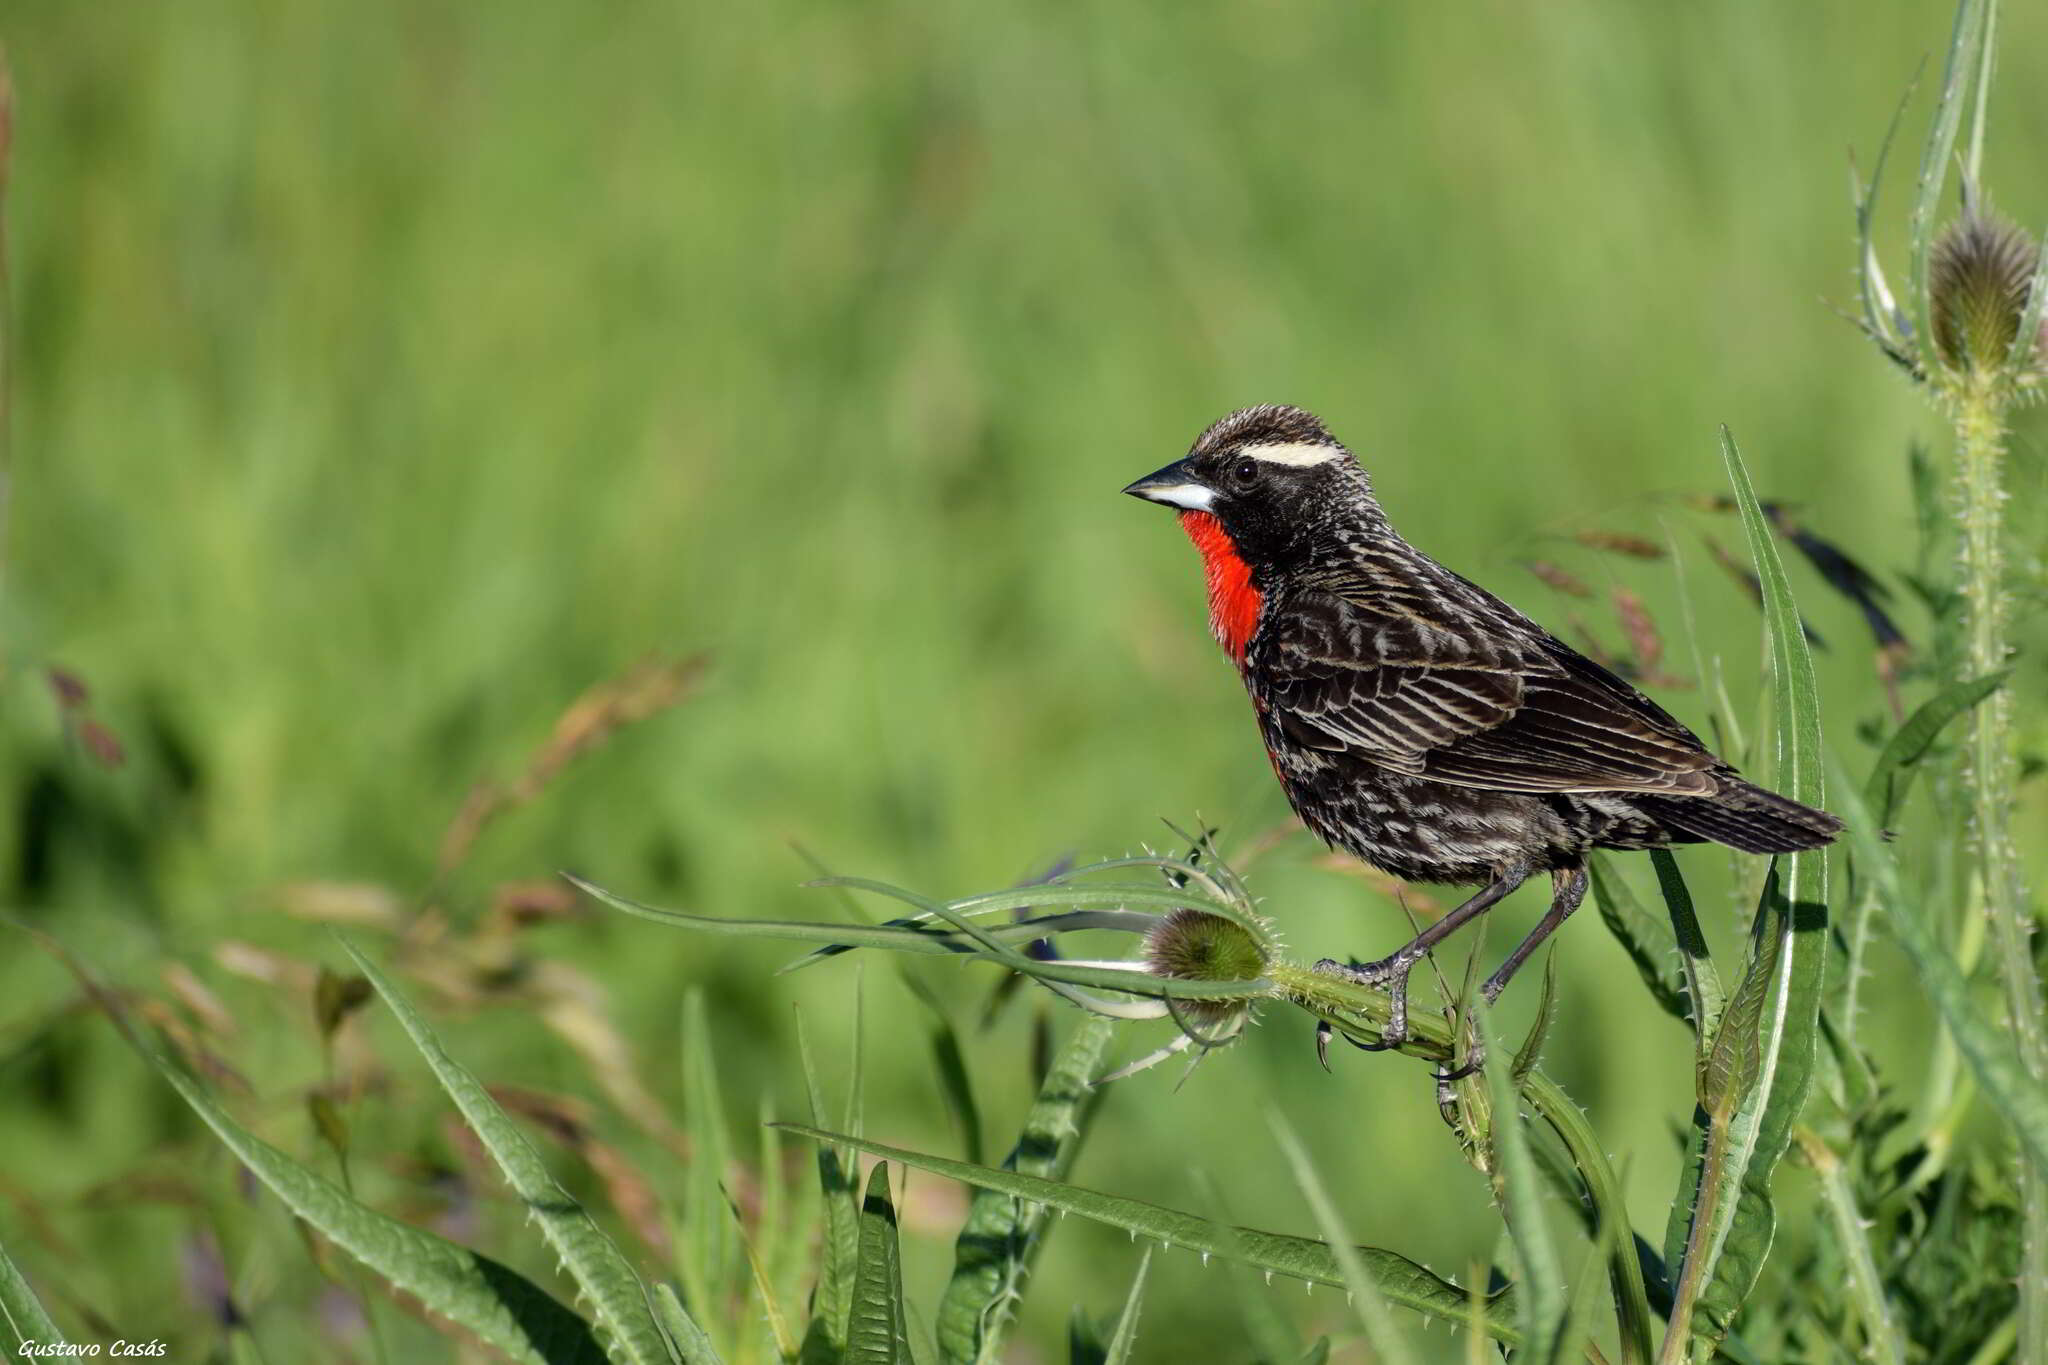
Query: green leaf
x=691, y=1344
x=1646, y=939
x=956, y=1086
x=1400, y=1279
x=1965, y=48
x=707, y=1248
x=591, y=1258
x=1898, y=764
x=498, y=1304
x=1881, y=317
x=1696, y=964
x=1126, y=1334
x=1544, y=1298
x=22, y=1311
x=1988, y=1048
x=1756, y=1075
x=876, y=1334
x=1001, y=1236
x=976, y=942
x=825, y=1338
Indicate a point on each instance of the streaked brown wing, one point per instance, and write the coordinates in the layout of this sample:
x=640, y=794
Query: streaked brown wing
x=1471, y=710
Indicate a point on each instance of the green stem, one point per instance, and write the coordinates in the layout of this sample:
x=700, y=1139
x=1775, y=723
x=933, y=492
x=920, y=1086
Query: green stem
x=1348, y=1006
x=1978, y=403
x=1866, y=1286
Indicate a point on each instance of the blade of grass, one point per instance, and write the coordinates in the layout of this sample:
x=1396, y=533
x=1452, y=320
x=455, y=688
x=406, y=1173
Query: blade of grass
x=691, y=1344
x=1891, y=777
x=1400, y=1279
x=1374, y=1314
x=825, y=1338
x=1126, y=1334
x=705, y=1252
x=591, y=1258
x=1002, y=1234
x=1696, y=964
x=23, y=1312
x=1544, y=1300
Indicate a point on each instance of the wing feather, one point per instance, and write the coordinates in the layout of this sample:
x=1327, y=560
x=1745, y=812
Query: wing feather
x=1481, y=707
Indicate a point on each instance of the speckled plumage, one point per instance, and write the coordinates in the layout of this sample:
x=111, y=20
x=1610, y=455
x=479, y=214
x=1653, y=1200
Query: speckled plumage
x=1418, y=721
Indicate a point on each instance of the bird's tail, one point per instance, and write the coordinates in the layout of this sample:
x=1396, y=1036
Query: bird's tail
x=1745, y=816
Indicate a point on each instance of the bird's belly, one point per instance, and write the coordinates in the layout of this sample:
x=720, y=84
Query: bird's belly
x=1427, y=831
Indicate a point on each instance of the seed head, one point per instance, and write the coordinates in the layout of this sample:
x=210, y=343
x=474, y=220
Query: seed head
x=1192, y=945
x=1979, y=280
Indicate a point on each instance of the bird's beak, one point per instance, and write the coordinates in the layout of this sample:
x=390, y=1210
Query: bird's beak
x=1175, y=486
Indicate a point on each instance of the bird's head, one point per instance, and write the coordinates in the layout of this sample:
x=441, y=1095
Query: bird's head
x=1274, y=480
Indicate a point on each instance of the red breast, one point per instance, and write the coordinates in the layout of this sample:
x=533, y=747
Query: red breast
x=1233, y=600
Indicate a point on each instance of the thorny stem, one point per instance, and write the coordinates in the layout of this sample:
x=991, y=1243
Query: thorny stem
x=1978, y=401
x=1866, y=1286
x=1345, y=1004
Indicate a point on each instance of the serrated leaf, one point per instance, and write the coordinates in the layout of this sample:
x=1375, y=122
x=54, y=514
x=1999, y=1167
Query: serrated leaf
x=1531, y=1050
x=1401, y=1280
x=591, y=1258
x=496, y=1303
x=876, y=1333
x=1755, y=1077
x=1646, y=939
x=1001, y=1236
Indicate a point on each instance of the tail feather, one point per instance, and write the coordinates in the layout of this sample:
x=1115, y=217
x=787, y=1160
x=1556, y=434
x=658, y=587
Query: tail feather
x=1745, y=816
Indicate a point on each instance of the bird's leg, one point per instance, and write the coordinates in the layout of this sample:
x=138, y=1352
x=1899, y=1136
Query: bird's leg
x=1392, y=971
x=1568, y=889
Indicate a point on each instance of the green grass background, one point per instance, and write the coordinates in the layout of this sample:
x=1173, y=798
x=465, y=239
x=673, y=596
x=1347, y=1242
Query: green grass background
x=386, y=374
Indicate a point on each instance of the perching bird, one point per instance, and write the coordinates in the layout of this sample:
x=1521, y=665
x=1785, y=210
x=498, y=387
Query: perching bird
x=1419, y=722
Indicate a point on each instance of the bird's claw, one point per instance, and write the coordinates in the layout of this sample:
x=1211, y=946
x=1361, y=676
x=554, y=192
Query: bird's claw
x=1390, y=972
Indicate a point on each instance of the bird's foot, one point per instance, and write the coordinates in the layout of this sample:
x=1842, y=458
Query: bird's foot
x=1391, y=972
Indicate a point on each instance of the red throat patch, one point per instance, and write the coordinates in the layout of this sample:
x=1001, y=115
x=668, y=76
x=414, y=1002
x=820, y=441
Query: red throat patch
x=1233, y=601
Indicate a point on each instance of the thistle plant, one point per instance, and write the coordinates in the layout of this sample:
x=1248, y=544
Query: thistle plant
x=1970, y=333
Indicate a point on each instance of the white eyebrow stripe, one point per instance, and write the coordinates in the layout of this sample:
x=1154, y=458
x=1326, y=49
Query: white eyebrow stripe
x=1292, y=453
x=1193, y=496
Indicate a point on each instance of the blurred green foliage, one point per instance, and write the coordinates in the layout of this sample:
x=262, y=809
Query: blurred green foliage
x=388, y=375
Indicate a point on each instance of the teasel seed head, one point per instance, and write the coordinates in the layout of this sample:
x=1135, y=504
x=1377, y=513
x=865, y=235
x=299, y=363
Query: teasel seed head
x=1979, y=280
x=1192, y=945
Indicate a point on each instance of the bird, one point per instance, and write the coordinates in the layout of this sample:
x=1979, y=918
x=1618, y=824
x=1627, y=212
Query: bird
x=1420, y=723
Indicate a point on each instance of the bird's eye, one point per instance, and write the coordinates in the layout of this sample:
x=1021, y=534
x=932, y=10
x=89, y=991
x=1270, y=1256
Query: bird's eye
x=1245, y=471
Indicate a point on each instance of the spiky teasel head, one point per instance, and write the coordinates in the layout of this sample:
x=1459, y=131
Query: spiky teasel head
x=1980, y=280
x=1194, y=945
